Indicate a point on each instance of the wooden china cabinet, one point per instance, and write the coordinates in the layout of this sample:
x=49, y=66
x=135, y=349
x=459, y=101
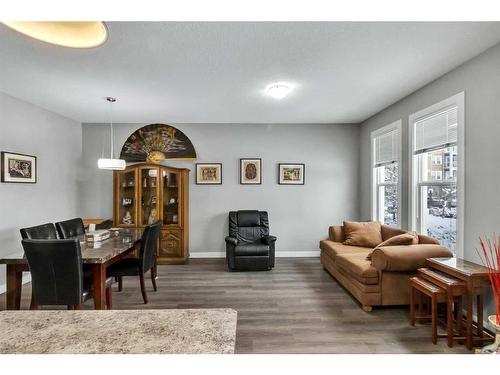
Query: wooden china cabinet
x=145, y=193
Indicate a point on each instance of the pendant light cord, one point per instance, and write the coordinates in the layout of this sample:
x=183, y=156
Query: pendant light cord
x=111, y=125
x=111, y=101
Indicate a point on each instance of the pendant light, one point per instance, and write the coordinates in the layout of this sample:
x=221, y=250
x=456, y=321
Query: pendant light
x=111, y=163
x=82, y=34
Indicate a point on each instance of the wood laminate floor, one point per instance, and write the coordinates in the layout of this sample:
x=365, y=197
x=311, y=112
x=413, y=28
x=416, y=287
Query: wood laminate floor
x=296, y=308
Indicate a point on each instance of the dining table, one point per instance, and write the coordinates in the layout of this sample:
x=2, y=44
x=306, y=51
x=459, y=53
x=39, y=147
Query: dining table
x=98, y=256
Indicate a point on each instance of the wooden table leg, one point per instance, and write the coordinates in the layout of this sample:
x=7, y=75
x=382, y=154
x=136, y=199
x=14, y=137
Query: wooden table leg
x=14, y=285
x=470, y=298
x=479, y=307
x=449, y=319
x=459, y=309
x=434, y=313
x=99, y=281
x=412, y=306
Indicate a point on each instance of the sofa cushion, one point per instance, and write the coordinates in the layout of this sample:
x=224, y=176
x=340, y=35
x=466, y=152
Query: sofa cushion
x=366, y=234
x=336, y=233
x=423, y=239
x=388, y=232
x=409, y=238
x=335, y=248
x=357, y=266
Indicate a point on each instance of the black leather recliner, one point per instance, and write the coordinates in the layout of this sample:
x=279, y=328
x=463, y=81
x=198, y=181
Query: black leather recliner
x=249, y=247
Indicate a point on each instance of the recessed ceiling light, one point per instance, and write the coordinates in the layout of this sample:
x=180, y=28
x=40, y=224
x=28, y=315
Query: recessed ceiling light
x=278, y=90
x=66, y=34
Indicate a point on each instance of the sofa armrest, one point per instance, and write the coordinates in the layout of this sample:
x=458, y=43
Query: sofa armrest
x=406, y=258
x=231, y=241
x=268, y=239
x=336, y=233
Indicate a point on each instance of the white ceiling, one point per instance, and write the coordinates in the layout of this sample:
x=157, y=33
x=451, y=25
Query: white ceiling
x=215, y=72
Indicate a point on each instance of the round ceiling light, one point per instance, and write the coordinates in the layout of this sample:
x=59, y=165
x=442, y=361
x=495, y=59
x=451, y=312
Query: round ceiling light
x=278, y=90
x=66, y=34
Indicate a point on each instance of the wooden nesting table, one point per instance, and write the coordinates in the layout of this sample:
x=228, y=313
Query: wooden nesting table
x=475, y=278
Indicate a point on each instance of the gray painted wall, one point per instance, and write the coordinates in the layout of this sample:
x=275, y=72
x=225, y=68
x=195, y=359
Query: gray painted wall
x=480, y=80
x=56, y=142
x=299, y=215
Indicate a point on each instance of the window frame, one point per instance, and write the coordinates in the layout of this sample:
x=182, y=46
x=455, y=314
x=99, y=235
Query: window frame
x=457, y=100
x=396, y=125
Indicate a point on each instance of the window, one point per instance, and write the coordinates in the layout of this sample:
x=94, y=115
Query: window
x=386, y=187
x=437, y=160
x=436, y=175
x=436, y=196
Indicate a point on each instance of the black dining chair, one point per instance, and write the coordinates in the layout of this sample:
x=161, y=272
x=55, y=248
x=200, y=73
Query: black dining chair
x=57, y=276
x=70, y=228
x=40, y=232
x=139, y=266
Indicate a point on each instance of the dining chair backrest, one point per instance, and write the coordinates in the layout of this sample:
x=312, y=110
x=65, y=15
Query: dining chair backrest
x=70, y=228
x=149, y=245
x=56, y=271
x=40, y=232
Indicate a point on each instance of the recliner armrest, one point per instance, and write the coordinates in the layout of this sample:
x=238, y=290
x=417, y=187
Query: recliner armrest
x=406, y=257
x=231, y=240
x=268, y=239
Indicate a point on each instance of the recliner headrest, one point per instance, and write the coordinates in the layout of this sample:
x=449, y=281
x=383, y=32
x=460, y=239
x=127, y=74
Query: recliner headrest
x=248, y=218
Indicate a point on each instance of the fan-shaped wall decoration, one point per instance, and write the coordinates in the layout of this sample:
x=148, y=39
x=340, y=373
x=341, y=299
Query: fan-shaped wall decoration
x=156, y=142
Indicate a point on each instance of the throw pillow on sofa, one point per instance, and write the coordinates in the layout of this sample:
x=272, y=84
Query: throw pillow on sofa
x=410, y=238
x=365, y=234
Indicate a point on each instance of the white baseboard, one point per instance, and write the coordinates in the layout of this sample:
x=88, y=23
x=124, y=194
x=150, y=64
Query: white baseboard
x=215, y=254
x=297, y=254
x=26, y=279
x=279, y=254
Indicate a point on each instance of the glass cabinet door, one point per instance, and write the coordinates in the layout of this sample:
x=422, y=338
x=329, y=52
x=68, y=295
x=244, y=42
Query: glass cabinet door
x=127, y=206
x=148, y=178
x=170, y=198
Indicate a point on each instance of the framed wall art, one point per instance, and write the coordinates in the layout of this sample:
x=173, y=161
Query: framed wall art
x=251, y=171
x=291, y=174
x=209, y=173
x=18, y=168
x=156, y=142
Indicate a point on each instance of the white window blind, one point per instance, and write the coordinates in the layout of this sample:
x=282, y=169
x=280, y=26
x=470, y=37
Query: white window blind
x=436, y=131
x=386, y=148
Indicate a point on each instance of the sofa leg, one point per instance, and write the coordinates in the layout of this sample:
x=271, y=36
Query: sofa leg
x=367, y=308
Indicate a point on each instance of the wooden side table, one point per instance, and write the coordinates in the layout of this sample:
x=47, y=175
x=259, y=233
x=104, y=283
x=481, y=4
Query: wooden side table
x=476, y=278
x=455, y=289
x=436, y=295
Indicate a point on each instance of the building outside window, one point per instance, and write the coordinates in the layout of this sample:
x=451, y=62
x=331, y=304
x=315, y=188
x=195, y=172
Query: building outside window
x=386, y=187
x=435, y=170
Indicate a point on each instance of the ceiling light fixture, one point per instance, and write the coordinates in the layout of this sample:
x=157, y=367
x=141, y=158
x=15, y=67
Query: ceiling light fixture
x=111, y=163
x=66, y=34
x=278, y=90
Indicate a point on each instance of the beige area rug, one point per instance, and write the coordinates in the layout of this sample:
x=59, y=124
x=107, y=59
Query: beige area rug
x=118, y=331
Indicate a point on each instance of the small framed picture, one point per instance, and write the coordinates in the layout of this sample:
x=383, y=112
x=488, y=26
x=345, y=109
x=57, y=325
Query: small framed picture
x=209, y=173
x=127, y=202
x=291, y=174
x=250, y=171
x=18, y=168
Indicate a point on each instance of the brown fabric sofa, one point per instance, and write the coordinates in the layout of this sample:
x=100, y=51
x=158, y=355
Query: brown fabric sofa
x=383, y=280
